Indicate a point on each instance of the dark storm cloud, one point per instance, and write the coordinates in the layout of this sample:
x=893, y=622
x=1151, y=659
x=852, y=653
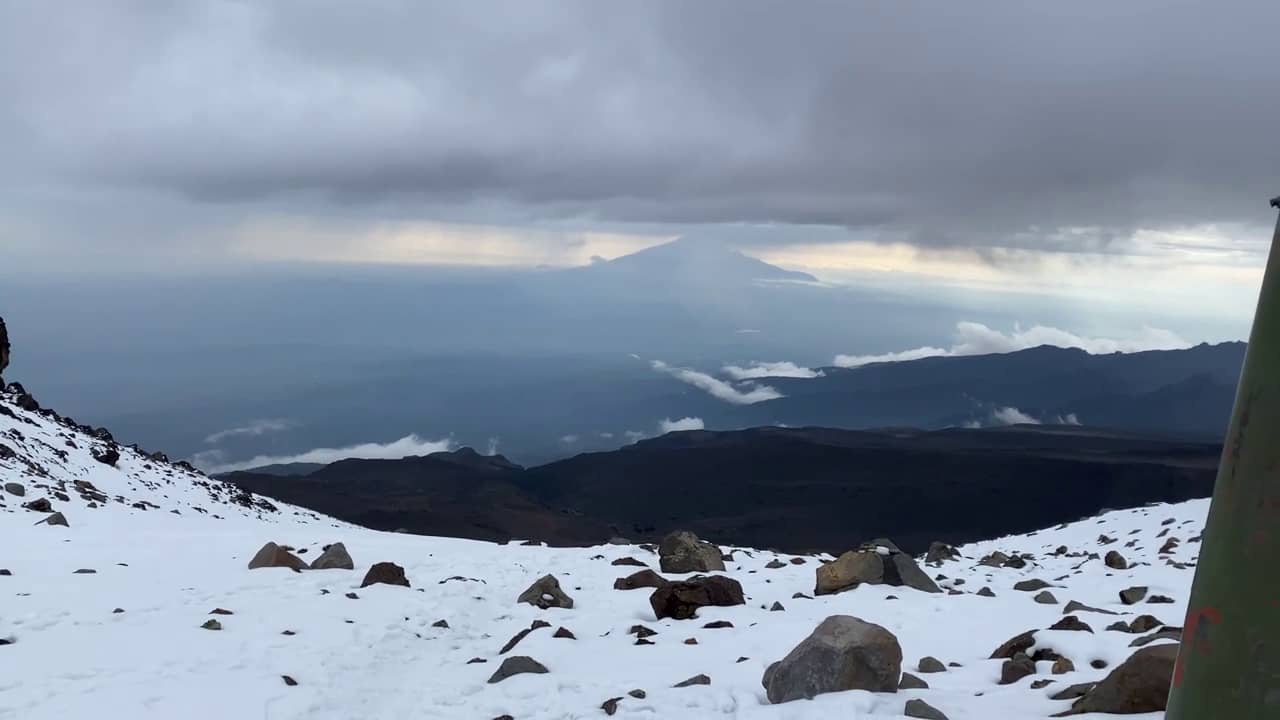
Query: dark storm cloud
x=935, y=123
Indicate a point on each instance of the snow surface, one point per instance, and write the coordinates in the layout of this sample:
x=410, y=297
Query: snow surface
x=379, y=656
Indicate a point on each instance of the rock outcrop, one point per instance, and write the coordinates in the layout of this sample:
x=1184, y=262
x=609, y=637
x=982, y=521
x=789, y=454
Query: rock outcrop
x=842, y=653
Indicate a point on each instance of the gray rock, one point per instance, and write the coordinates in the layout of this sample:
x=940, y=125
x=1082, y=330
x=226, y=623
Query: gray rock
x=1115, y=560
x=56, y=519
x=14, y=488
x=545, y=593
x=272, y=555
x=940, y=552
x=930, y=664
x=1031, y=585
x=334, y=557
x=1137, y=685
x=1045, y=597
x=1016, y=668
x=842, y=653
x=911, y=682
x=682, y=552
x=917, y=708
x=517, y=665
x=698, y=679
x=1071, y=692
x=1133, y=595
x=1073, y=606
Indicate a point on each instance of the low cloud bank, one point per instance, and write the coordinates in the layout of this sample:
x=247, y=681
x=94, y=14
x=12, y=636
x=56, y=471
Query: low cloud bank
x=973, y=338
x=394, y=450
x=750, y=393
x=667, y=425
x=770, y=369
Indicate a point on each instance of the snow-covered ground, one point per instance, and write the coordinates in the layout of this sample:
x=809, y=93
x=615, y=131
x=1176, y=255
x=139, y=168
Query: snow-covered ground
x=379, y=655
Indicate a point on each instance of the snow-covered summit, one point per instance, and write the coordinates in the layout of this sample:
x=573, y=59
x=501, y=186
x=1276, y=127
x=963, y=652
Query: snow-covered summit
x=169, y=546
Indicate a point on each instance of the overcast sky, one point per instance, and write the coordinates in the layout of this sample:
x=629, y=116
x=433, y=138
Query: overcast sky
x=1086, y=148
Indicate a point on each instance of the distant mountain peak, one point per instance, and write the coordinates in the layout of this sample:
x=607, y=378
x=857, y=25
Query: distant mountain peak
x=711, y=259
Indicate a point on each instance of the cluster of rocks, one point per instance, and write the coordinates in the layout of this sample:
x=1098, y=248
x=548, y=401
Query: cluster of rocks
x=879, y=562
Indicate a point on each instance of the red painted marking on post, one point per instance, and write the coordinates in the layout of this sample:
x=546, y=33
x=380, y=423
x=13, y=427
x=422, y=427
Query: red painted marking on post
x=1195, y=636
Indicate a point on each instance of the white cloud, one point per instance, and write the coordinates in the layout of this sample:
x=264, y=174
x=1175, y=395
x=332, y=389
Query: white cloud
x=770, y=369
x=394, y=450
x=667, y=425
x=493, y=447
x=254, y=428
x=635, y=436
x=1068, y=419
x=973, y=338
x=719, y=388
x=569, y=439
x=1011, y=416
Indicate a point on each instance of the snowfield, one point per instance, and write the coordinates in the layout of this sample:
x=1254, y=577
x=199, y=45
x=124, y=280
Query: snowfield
x=126, y=640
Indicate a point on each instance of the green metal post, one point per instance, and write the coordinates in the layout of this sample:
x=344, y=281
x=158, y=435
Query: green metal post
x=1229, y=662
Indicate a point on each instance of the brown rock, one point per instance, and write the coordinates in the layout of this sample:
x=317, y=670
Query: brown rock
x=1016, y=668
x=545, y=593
x=1140, y=684
x=681, y=600
x=385, y=573
x=643, y=578
x=272, y=555
x=842, y=653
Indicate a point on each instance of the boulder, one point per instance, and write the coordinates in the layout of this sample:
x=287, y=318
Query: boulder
x=1115, y=561
x=911, y=682
x=105, y=454
x=1044, y=597
x=1016, y=668
x=929, y=664
x=39, y=505
x=1062, y=666
x=842, y=653
x=385, y=573
x=917, y=708
x=681, y=600
x=1137, y=685
x=1015, y=645
x=1143, y=623
x=14, y=488
x=56, y=519
x=1133, y=595
x=940, y=552
x=643, y=578
x=545, y=593
x=272, y=555
x=1071, y=622
x=995, y=559
x=879, y=564
x=334, y=557
x=682, y=552
x=517, y=665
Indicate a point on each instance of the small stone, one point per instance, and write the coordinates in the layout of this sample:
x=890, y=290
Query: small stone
x=1073, y=606
x=1016, y=668
x=476, y=661
x=353, y=596
x=1071, y=622
x=610, y=706
x=564, y=634
x=1133, y=595
x=1115, y=560
x=1031, y=585
x=85, y=571
x=545, y=593
x=288, y=680
x=776, y=607
x=212, y=625
x=290, y=633
x=117, y=611
x=641, y=631
x=917, y=708
x=1160, y=599
x=1062, y=665
x=441, y=624
x=775, y=564
x=517, y=665
x=1045, y=597
x=628, y=561
x=1041, y=684
x=930, y=664
x=717, y=625
x=220, y=611
x=637, y=694
x=986, y=592
x=695, y=680
x=691, y=641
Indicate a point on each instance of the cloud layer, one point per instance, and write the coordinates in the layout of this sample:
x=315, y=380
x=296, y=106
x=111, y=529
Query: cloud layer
x=718, y=388
x=404, y=447
x=973, y=338
x=770, y=369
x=253, y=429
x=667, y=425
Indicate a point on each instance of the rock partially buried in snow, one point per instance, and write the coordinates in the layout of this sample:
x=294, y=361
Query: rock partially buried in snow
x=1044, y=597
x=683, y=552
x=1115, y=561
x=842, y=653
x=940, y=552
x=643, y=578
x=56, y=519
x=880, y=564
x=698, y=679
x=918, y=708
x=1138, y=685
x=517, y=665
x=14, y=488
x=105, y=454
x=930, y=664
x=1133, y=595
x=1016, y=668
x=334, y=557
x=681, y=600
x=545, y=593
x=272, y=555
x=385, y=573
x=911, y=682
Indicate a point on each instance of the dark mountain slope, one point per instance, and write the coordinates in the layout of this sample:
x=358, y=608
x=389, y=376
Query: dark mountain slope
x=795, y=489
